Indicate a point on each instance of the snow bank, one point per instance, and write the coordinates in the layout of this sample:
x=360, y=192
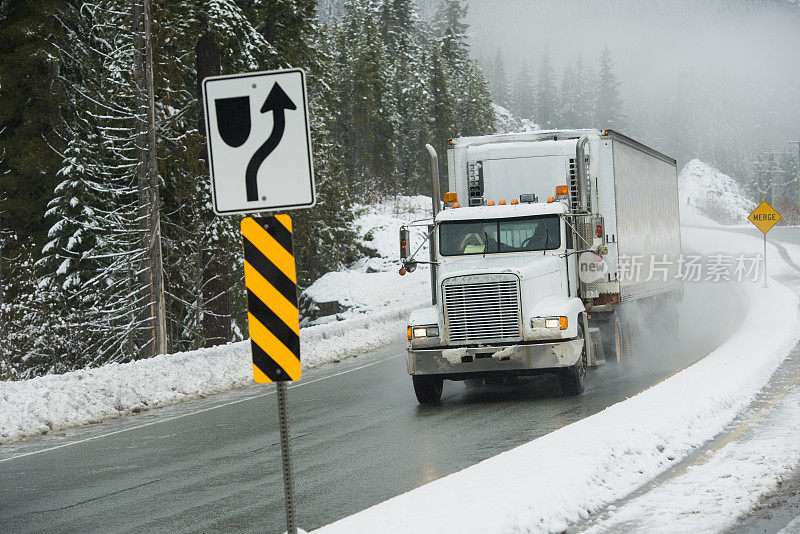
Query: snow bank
x=506, y=122
x=554, y=481
x=56, y=402
x=710, y=495
x=373, y=283
x=705, y=191
x=376, y=298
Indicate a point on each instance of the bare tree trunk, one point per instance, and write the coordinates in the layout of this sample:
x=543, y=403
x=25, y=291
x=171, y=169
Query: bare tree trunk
x=153, y=339
x=144, y=305
x=155, y=199
x=216, y=278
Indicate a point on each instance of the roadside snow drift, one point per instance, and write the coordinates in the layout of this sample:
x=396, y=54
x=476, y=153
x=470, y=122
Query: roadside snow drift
x=705, y=191
x=554, y=481
x=376, y=300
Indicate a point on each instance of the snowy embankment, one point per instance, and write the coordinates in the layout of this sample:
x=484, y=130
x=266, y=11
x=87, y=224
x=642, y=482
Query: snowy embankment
x=706, y=192
x=375, y=299
x=507, y=122
x=561, y=478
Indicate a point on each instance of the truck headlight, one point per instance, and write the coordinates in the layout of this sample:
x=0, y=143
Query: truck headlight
x=556, y=322
x=416, y=332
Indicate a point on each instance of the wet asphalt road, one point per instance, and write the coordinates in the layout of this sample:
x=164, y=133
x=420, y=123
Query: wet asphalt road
x=359, y=437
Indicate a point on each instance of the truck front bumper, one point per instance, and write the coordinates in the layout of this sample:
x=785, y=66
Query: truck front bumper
x=488, y=359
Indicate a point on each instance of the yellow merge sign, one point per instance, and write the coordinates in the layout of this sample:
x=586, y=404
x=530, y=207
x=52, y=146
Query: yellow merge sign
x=764, y=217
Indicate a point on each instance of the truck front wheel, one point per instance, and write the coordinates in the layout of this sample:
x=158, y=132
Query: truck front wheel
x=428, y=389
x=571, y=378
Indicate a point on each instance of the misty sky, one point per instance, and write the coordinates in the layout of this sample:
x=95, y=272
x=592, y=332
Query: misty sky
x=741, y=56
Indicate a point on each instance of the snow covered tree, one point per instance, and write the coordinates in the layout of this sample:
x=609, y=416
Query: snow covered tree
x=451, y=31
x=472, y=100
x=608, y=111
x=524, y=92
x=499, y=81
x=546, y=95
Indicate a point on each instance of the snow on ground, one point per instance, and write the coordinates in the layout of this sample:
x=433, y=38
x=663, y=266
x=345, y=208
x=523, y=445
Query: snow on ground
x=712, y=493
x=563, y=477
x=705, y=191
x=374, y=283
x=377, y=301
x=506, y=122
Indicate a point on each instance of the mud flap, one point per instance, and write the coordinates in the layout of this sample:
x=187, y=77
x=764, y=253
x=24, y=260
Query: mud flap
x=598, y=358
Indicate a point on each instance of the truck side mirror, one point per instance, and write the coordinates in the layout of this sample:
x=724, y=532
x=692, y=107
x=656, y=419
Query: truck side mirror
x=404, y=243
x=598, y=231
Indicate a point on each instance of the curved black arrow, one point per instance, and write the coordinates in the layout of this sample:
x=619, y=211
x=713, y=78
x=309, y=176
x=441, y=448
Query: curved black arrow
x=277, y=102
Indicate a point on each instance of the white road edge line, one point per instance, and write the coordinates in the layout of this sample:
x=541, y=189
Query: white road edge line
x=196, y=412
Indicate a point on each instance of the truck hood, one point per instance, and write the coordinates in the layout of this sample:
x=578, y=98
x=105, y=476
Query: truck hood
x=526, y=266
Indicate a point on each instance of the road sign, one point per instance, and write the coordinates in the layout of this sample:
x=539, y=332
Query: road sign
x=764, y=217
x=271, y=280
x=259, y=142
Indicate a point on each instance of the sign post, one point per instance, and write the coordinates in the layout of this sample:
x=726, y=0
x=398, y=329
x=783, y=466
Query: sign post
x=259, y=154
x=764, y=217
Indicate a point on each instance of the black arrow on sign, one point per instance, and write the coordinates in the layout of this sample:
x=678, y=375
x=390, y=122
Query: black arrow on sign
x=277, y=102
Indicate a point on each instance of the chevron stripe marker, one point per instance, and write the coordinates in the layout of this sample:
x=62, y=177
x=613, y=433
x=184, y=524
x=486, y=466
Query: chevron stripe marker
x=270, y=275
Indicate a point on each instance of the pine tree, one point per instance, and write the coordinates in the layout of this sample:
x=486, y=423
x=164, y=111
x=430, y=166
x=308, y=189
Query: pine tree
x=365, y=128
x=546, y=97
x=451, y=30
x=567, y=112
x=583, y=103
x=474, y=113
x=499, y=83
x=30, y=102
x=608, y=103
x=524, y=92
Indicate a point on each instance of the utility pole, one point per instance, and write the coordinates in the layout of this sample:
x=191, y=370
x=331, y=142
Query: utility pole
x=773, y=171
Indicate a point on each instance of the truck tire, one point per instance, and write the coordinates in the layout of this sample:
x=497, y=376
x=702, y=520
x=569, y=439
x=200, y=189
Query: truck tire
x=428, y=389
x=571, y=378
x=628, y=345
x=614, y=344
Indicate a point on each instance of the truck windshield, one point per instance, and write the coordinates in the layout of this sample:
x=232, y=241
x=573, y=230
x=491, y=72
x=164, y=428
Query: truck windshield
x=499, y=235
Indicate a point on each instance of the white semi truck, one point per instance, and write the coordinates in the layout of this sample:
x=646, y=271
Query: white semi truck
x=542, y=258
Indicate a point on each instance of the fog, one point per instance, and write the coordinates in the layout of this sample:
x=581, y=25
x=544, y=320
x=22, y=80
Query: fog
x=719, y=80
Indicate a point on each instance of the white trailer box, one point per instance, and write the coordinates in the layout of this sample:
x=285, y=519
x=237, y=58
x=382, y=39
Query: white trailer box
x=633, y=187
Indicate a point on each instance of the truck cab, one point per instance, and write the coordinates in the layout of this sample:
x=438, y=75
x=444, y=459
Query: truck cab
x=507, y=287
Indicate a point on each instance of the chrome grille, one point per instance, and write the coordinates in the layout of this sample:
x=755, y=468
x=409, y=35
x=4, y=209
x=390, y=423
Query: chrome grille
x=482, y=310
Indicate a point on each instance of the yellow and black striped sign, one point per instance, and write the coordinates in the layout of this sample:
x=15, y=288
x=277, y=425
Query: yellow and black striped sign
x=271, y=279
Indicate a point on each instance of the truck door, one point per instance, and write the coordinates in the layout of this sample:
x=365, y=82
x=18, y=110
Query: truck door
x=571, y=261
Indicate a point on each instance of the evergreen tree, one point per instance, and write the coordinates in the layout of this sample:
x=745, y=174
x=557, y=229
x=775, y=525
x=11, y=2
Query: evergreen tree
x=608, y=103
x=583, y=104
x=452, y=33
x=474, y=114
x=365, y=129
x=472, y=111
x=568, y=110
x=546, y=97
x=499, y=83
x=524, y=93
x=30, y=103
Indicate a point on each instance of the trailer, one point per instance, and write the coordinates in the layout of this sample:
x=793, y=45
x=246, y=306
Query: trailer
x=547, y=245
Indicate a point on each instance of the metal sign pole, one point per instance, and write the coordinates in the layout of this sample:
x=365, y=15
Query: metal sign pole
x=765, y=260
x=286, y=453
